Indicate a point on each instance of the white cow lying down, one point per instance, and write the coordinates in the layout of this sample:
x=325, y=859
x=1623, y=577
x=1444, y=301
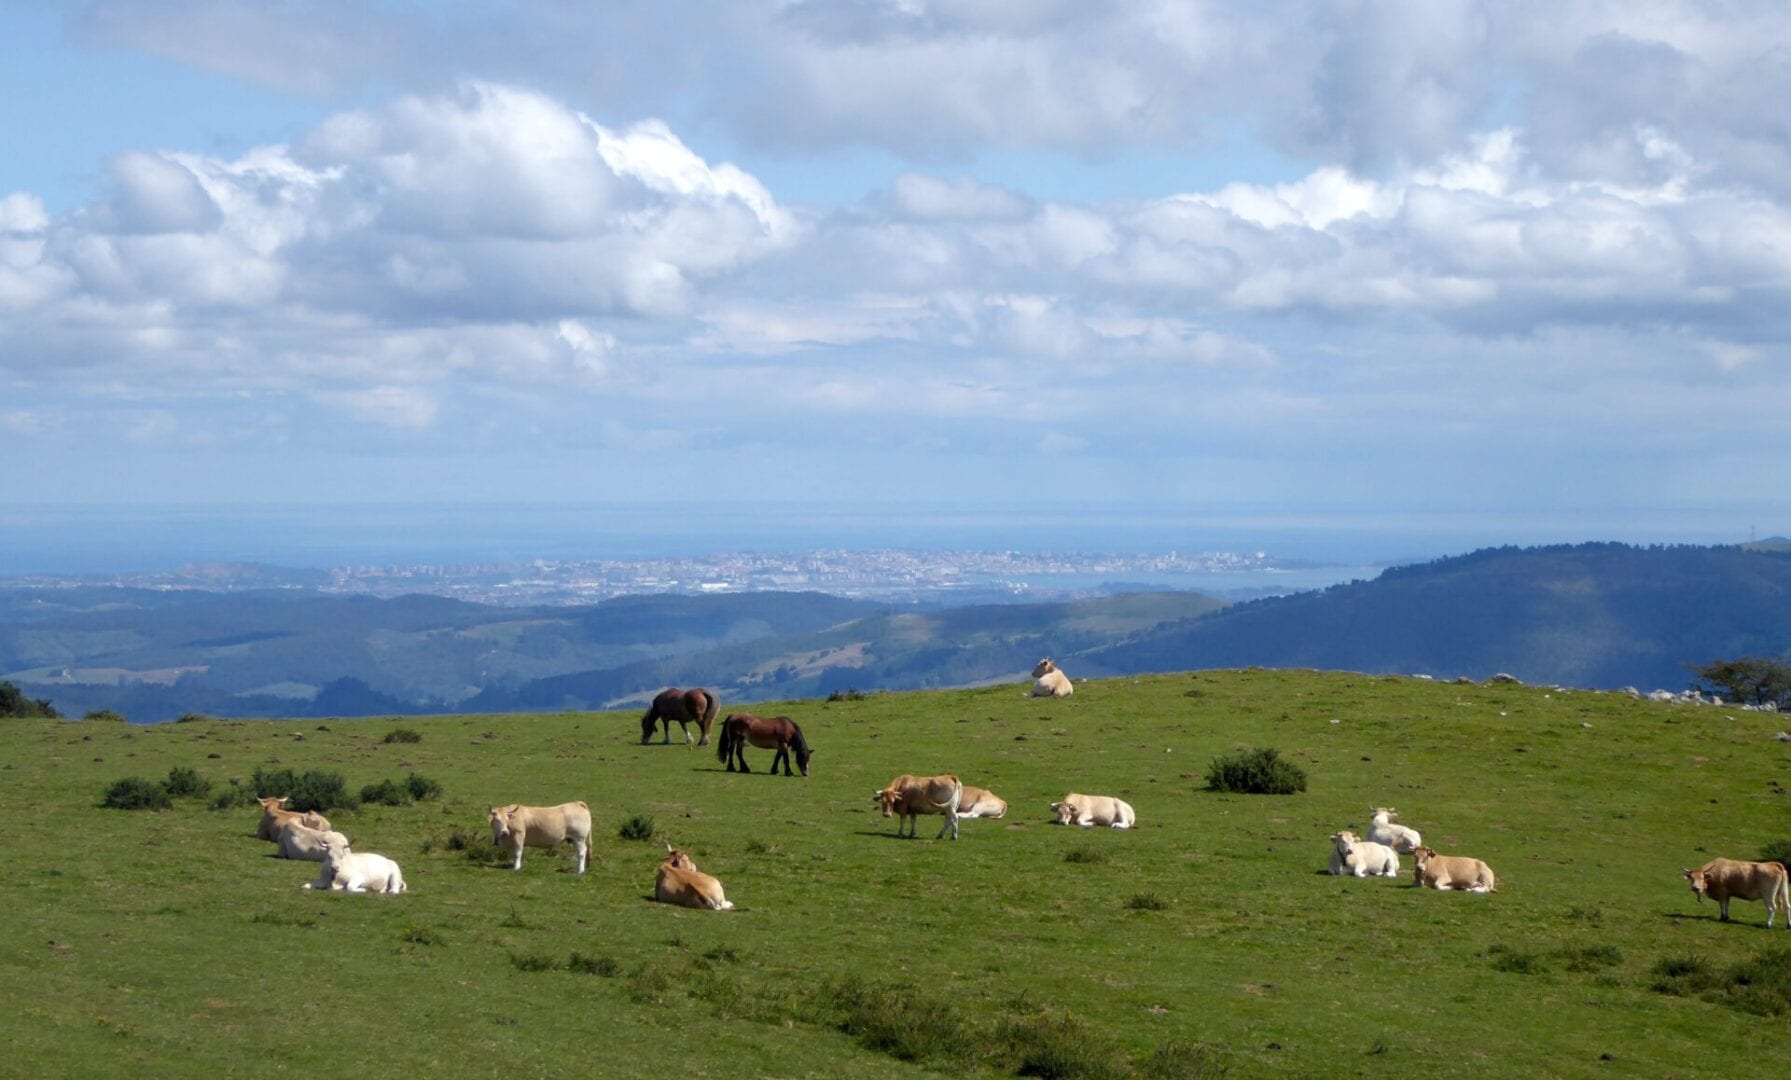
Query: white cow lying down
x=1362, y=857
x=1091, y=810
x=1383, y=829
x=346, y=871
x=980, y=803
x=298, y=841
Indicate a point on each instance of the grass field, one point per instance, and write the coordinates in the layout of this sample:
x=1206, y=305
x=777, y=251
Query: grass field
x=170, y=944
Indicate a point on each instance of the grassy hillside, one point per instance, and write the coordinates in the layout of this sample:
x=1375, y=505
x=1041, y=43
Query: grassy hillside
x=170, y=944
x=1593, y=615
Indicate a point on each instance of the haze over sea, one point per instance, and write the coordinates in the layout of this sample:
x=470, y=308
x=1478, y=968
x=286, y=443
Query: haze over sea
x=98, y=539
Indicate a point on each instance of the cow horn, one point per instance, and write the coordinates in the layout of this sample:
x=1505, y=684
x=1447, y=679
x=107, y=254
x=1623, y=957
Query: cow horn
x=668, y=846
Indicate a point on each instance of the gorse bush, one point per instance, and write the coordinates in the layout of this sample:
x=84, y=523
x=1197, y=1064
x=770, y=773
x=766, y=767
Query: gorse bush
x=421, y=787
x=402, y=735
x=386, y=793
x=1259, y=772
x=233, y=795
x=315, y=790
x=136, y=793
x=1778, y=851
x=185, y=783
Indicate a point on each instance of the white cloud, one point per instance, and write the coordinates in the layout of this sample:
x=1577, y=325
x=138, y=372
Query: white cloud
x=391, y=406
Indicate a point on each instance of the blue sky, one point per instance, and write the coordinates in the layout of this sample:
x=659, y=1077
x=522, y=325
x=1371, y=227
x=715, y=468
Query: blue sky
x=1286, y=257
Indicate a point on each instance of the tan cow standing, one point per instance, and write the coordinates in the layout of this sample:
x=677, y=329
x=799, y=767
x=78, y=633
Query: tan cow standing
x=1451, y=872
x=681, y=883
x=1051, y=682
x=910, y=796
x=274, y=816
x=515, y=827
x=1724, y=880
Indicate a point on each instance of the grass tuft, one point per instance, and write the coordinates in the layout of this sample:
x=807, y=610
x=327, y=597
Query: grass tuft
x=637, y=827
x=1147, y=901
x=605, y=966
x=534, y=962
x=402, y=735
x=421, y=935
x=1085, y=855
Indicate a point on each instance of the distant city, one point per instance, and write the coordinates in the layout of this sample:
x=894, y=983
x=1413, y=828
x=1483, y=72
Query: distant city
x=885, y=574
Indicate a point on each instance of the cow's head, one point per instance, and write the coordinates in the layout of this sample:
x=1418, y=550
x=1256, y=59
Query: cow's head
x=678, y=859
x=500, y=822
x=1045, y=667
x=272, y=802
x=335, y=848
x=1390, y=813
x=887, y=800
x=1063, y=812
x=1342, y=840
x=1422, y=855
x=1699, y=882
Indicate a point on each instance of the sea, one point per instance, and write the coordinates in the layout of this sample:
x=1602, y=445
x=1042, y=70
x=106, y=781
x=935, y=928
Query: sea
x=1324, y=545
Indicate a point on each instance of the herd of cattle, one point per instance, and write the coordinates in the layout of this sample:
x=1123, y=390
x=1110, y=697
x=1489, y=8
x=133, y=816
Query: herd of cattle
x=308, y=836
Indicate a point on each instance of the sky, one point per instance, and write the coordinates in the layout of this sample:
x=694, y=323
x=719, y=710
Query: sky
x=1279, y=257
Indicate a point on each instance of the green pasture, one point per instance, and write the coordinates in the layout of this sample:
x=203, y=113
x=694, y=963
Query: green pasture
x=171, y=944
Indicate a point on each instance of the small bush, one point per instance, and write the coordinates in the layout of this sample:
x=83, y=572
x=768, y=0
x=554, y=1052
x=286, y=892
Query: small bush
x=1760, y=985
x=637, y=827
x=1778, y=851
x=846, y=695
x=604, y=966
x=1679, y=975
x=386, y=793
x=136, y=793
x=402, y=735
x=1259, y=772
x=315, y=790
x=233, y=795
x=185, y=783
x=421, y=787
x=105, y=716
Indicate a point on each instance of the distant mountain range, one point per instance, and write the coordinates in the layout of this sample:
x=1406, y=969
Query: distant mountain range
x=1596, y=615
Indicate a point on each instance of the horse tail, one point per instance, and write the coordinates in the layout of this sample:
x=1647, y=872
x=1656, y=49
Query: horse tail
x=724, y=743
x=709, y=713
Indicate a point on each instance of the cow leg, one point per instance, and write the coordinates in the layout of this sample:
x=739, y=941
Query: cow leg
x=581, y=848
x=517, y=865
x=951, y=822
x=1725, y=905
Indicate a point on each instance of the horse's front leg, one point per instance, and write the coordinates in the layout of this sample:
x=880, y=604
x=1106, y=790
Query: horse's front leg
x=783, y=755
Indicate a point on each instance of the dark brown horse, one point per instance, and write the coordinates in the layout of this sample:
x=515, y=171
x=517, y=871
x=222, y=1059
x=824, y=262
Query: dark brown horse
x=778, y=733
x=695, y=706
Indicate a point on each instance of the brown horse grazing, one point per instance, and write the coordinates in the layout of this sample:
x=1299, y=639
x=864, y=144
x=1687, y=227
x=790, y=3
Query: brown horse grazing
x=778, y=733
x=695, y=706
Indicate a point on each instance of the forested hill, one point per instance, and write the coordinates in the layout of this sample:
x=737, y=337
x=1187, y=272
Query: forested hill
x=1591, y=615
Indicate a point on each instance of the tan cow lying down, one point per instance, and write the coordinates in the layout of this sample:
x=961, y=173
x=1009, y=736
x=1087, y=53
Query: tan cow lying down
x=911, y=796
x=1451, y=872
x=347, y=871
x=980, y=803
x=274, y=815
x=1051, y=682
x=1724, y=880
x=298, y=841
x=1091, y=810
x=681, y=883
x=515, y=827
x=1362, y=857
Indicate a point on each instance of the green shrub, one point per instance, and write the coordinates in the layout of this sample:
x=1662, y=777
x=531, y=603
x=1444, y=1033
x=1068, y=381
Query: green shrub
x=1057, y=1046
x=386, y=793
x=185, y=783
x=314, y=790
x=1760, y=985
x=637, y=827
x=402, y=735
x=1259, y=772
x=136, y=793
x=846, y=695
x=421, y=787
x=105, y=716
x=1778, y=851
x=14, y=703
x=233, y=795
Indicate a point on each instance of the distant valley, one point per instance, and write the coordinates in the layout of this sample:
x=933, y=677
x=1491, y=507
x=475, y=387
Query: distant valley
x=1597, y=615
